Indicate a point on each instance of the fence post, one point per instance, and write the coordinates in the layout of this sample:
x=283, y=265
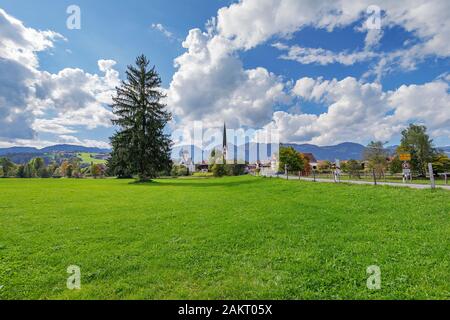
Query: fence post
x=430, y=171
x=374, y=177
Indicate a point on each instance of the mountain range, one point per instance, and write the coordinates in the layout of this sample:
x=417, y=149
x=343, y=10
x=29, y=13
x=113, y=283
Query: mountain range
x=51, y=149
x=445, y=149
x=344, y=151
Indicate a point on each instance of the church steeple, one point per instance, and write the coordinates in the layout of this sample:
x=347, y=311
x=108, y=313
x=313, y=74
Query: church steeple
x=225, y=143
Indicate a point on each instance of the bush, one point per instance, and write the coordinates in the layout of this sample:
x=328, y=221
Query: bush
x=8, y=168
x=96, y=171
x=179, y=171
x=44, y=173
x=174, y=171
x=235, y=169
x=182, y=171
x=57, y=174
x=218, y=170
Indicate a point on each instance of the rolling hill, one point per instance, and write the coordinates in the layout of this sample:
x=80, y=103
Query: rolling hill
x=51, y=149
x=344, y=151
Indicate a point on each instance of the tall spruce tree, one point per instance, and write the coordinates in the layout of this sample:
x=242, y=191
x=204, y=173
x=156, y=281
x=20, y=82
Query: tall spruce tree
x=140, y=146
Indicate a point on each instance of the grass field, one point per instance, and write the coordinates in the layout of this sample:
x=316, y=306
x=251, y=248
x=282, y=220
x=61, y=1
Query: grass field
x=229, y=238
x=439, y=180
x=86, y=158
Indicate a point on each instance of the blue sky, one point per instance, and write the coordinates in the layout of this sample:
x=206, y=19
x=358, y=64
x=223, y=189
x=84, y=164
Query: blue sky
x=311, y=70
x=118, y=30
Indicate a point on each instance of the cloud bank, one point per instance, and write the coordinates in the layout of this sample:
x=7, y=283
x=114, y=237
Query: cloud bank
x=28, y=96
x=211, y=83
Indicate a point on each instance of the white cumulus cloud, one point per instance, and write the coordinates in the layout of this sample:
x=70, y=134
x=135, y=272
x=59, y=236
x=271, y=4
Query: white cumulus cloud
x=360, y=112
x=212, y=85
x=27, y=94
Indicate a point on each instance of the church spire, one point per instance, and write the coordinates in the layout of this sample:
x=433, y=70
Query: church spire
x=225, y=143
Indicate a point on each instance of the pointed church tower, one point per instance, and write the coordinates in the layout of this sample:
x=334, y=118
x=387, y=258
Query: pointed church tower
x=225, y=143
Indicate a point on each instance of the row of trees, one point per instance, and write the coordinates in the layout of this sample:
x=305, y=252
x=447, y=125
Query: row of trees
x=416, y=142
x=36, y=168
x=377, y=158
x=217, y=170
x=352, y=167
x=220, y=170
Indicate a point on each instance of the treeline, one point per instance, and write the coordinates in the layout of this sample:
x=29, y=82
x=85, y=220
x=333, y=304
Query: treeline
x=377, y=159
x=416, y=142
x=216, y=167
x=216, y=170
x=36, y=168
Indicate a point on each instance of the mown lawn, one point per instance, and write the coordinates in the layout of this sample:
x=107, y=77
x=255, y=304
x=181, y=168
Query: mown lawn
x=230, y=238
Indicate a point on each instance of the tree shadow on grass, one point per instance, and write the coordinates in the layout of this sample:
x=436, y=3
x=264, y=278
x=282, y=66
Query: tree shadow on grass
x=145, y=183
x=199, y=183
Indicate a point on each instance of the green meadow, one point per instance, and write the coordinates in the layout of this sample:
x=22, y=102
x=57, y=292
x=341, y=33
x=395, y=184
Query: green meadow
x=229, y=238
x=88, y=158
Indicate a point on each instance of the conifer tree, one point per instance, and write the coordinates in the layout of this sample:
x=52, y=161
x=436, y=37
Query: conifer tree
x=140, y=146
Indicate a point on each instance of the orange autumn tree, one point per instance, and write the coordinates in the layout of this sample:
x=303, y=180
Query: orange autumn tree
x=306, y=165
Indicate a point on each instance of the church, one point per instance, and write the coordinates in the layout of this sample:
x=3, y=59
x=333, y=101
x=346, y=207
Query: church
x=250, y=154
